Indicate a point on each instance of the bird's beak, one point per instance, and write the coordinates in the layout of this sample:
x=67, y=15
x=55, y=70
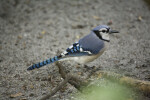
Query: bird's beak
x=113, y=31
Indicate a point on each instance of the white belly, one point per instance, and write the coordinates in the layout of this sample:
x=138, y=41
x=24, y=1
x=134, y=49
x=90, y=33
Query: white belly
x=84, y=59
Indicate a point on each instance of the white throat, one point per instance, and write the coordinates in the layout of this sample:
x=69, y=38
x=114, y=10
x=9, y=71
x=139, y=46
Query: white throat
x=105, y=36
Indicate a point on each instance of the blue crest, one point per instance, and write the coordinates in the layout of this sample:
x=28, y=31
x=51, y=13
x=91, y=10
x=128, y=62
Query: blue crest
x=100, y=26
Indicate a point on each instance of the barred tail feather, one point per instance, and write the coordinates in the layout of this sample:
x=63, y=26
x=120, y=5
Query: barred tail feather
x=43, y=63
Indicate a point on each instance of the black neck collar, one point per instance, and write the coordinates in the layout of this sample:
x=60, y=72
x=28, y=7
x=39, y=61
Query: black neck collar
x=99, y=36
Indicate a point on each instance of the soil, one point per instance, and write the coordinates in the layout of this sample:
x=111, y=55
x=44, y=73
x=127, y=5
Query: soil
x=32, y=31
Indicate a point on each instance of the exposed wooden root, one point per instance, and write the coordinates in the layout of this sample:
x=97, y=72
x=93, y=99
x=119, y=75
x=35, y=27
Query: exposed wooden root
x=78, y=83
x=141, y=85
x=75, y=80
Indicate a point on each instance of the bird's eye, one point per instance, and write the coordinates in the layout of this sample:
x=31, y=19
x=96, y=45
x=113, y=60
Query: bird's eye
x=103, y=31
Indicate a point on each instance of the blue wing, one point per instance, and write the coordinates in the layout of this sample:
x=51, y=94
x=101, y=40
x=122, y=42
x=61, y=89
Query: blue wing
x=74, y=51
x=92, y=43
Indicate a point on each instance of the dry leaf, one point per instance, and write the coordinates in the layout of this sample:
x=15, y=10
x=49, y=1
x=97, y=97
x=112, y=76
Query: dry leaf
x=77, y=66
x=19, y=37
x=77, y=36
x=15, y=95
x=43, y=32
x=99, y=75
x=23, y=99
x=96, y=17
x=79, y=73
x=31, y=86
x=140, y=18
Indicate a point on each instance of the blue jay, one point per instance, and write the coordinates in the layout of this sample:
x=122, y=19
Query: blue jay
x=85, y=50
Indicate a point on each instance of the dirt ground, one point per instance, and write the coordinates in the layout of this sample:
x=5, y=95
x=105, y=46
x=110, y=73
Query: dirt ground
x=31, y=31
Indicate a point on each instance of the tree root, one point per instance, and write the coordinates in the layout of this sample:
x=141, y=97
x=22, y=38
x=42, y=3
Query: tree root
x=141, y=85
x=78, y=83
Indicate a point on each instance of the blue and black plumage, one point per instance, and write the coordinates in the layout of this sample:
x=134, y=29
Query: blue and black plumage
x=85, y=50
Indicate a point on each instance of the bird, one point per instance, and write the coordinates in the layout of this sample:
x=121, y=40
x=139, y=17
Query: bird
x=85, y=50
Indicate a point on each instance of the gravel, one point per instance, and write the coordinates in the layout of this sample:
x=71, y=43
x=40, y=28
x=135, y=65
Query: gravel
x=31, y=31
